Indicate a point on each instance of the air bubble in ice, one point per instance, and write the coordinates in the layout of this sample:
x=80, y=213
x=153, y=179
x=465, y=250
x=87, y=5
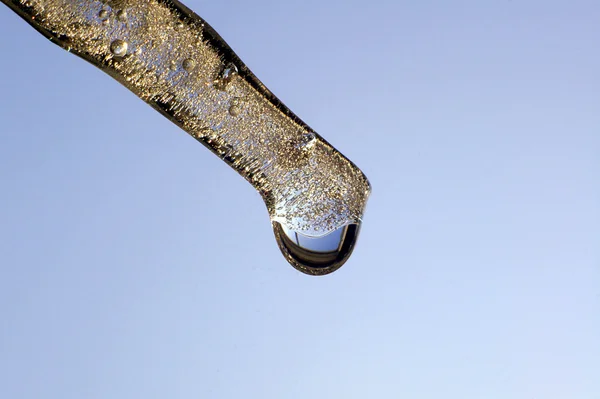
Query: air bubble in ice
x=118, y=47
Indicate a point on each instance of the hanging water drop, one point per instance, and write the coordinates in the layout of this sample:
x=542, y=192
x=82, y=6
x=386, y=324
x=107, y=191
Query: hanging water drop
x=118, y=47
x=316, y=255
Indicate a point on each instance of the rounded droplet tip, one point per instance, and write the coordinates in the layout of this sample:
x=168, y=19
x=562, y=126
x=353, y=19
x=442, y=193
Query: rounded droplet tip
x=316, y=256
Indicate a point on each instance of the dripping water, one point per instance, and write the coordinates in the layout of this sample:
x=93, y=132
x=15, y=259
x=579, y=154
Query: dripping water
x=316, y=255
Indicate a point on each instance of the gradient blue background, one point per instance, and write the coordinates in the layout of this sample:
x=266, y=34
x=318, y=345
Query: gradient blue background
x=135, y=264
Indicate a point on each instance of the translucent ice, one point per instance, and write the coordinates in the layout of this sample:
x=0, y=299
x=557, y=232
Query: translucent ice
x=172, y=59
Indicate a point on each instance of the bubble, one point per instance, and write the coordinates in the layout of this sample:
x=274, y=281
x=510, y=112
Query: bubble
x=189, y=64
x=226, y=75
x=118, y=47
x=122, y=15
x=235, y=110
x=229, y=71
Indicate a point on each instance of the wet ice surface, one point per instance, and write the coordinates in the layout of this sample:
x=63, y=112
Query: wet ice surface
x=173, y=60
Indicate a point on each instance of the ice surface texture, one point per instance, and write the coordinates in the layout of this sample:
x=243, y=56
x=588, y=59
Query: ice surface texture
x=173, y=60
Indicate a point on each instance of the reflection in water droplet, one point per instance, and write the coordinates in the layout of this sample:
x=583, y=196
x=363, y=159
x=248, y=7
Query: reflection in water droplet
x=317, y=255
x=235, y=110
x=118, y=48
x=122, y=15
x=189, y=64
x=103, y=14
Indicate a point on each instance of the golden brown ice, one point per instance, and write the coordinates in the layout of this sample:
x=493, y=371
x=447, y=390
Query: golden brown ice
x=169, y=57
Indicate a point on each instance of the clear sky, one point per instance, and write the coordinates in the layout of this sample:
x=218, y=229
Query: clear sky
x=136, y=264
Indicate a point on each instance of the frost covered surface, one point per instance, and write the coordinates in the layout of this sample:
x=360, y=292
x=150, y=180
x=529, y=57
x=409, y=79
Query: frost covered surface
x=173, y=60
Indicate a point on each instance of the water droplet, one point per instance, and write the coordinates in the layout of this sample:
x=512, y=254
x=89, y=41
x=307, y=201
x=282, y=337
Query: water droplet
x=118, y=47
x=138, y=51
x=316, y=255
x=179, y=25
x=235, y=110
x=189, y=64
x=122, y=15
x=103, y=14
x=173, y=66
x=225, y=76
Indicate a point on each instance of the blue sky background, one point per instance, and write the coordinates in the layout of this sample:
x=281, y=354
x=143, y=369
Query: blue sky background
x=135, y=264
